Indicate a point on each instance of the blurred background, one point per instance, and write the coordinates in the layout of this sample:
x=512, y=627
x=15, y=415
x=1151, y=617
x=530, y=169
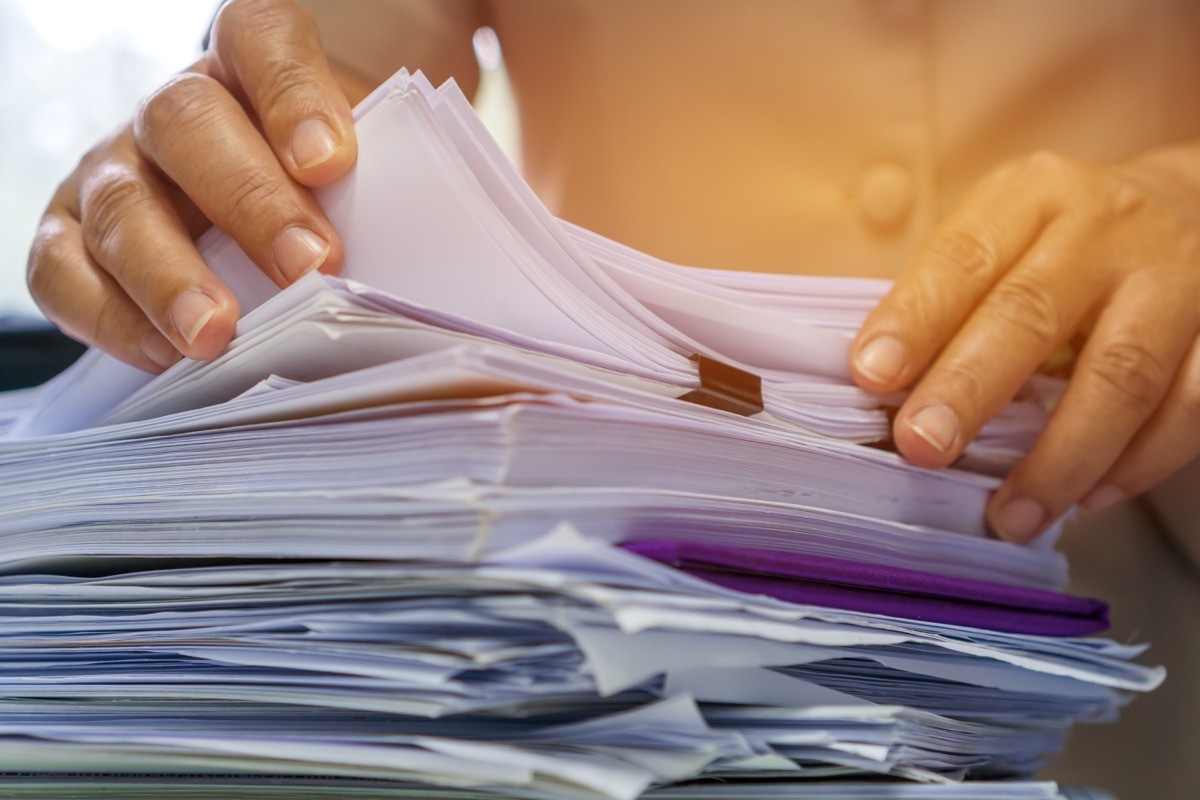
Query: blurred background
x=70, y=71
x=73, y=70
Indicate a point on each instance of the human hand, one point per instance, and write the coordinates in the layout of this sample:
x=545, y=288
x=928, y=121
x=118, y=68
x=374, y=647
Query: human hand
x=1046, y=249
x=233, y=142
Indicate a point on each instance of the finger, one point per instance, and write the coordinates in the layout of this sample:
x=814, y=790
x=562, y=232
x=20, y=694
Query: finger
x=130, y=229
x=1019, y=324
x=1165, y=444
x=198, y=134
x=1122, y=377
x=269, y=52
x=959, y=264
x=77, y=295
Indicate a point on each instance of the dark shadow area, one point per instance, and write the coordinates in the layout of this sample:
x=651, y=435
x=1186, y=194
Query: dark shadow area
x=32, y=352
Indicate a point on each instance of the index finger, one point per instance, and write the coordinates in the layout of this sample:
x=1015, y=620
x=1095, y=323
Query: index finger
x=269, y=53
x=939, y=290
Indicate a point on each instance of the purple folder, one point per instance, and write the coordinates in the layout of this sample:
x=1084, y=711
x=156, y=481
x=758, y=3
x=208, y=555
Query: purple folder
x=875, y=589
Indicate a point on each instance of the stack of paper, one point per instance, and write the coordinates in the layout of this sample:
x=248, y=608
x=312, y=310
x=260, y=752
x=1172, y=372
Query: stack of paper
x=512, y=509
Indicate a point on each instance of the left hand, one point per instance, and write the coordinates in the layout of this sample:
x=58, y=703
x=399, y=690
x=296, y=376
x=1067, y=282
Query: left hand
x=1045, y=248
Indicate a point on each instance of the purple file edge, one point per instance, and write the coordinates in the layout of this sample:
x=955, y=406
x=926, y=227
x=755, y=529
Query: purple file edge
x=877, y=589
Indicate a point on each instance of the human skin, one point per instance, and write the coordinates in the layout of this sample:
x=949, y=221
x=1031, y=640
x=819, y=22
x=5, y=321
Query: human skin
x=1043, y=252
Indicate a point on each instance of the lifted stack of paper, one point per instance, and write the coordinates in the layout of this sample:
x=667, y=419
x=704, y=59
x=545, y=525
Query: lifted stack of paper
x=509, y=509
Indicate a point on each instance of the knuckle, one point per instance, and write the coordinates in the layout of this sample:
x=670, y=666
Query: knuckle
x=112, y=199
x=177, y=108
x=248, y=22
x=963, y=379
x=1057, y=180
x=1045, y=164
x=965, y=249
x=1129, y=374
x=1124, y=199
x=111, y=322
x=292, y=79
x=102, y=152
x=250, y=192
x=48, y=256
x=1029, y=307
x=1089, y=192
x=273, y=37
x=234, y=15
x=256, y=13
x=45, y=259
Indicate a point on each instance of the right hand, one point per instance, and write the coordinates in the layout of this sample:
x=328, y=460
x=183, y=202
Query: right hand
x=234, y=141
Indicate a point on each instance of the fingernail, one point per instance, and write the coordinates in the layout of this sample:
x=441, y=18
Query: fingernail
x=1020, y=519
x=1103, y=496
x=936, y=424
x=313, y=142
x=883, y=359
x=298, y=251
x=190, y=312
x=158, y=349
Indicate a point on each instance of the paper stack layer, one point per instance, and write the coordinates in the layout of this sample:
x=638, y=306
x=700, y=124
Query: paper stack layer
x=509, y=509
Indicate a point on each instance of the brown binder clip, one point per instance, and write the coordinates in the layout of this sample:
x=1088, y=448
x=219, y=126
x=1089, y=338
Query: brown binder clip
x=888, y=442
x=726, y=388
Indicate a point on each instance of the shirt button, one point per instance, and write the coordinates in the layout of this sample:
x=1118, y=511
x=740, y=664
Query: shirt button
x=885, y=195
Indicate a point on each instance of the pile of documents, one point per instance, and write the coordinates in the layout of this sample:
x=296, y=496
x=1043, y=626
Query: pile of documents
x=512, y=510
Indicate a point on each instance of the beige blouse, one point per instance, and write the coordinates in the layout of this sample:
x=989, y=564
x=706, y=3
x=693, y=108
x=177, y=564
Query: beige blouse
x=822, y=136
x=828, y=136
